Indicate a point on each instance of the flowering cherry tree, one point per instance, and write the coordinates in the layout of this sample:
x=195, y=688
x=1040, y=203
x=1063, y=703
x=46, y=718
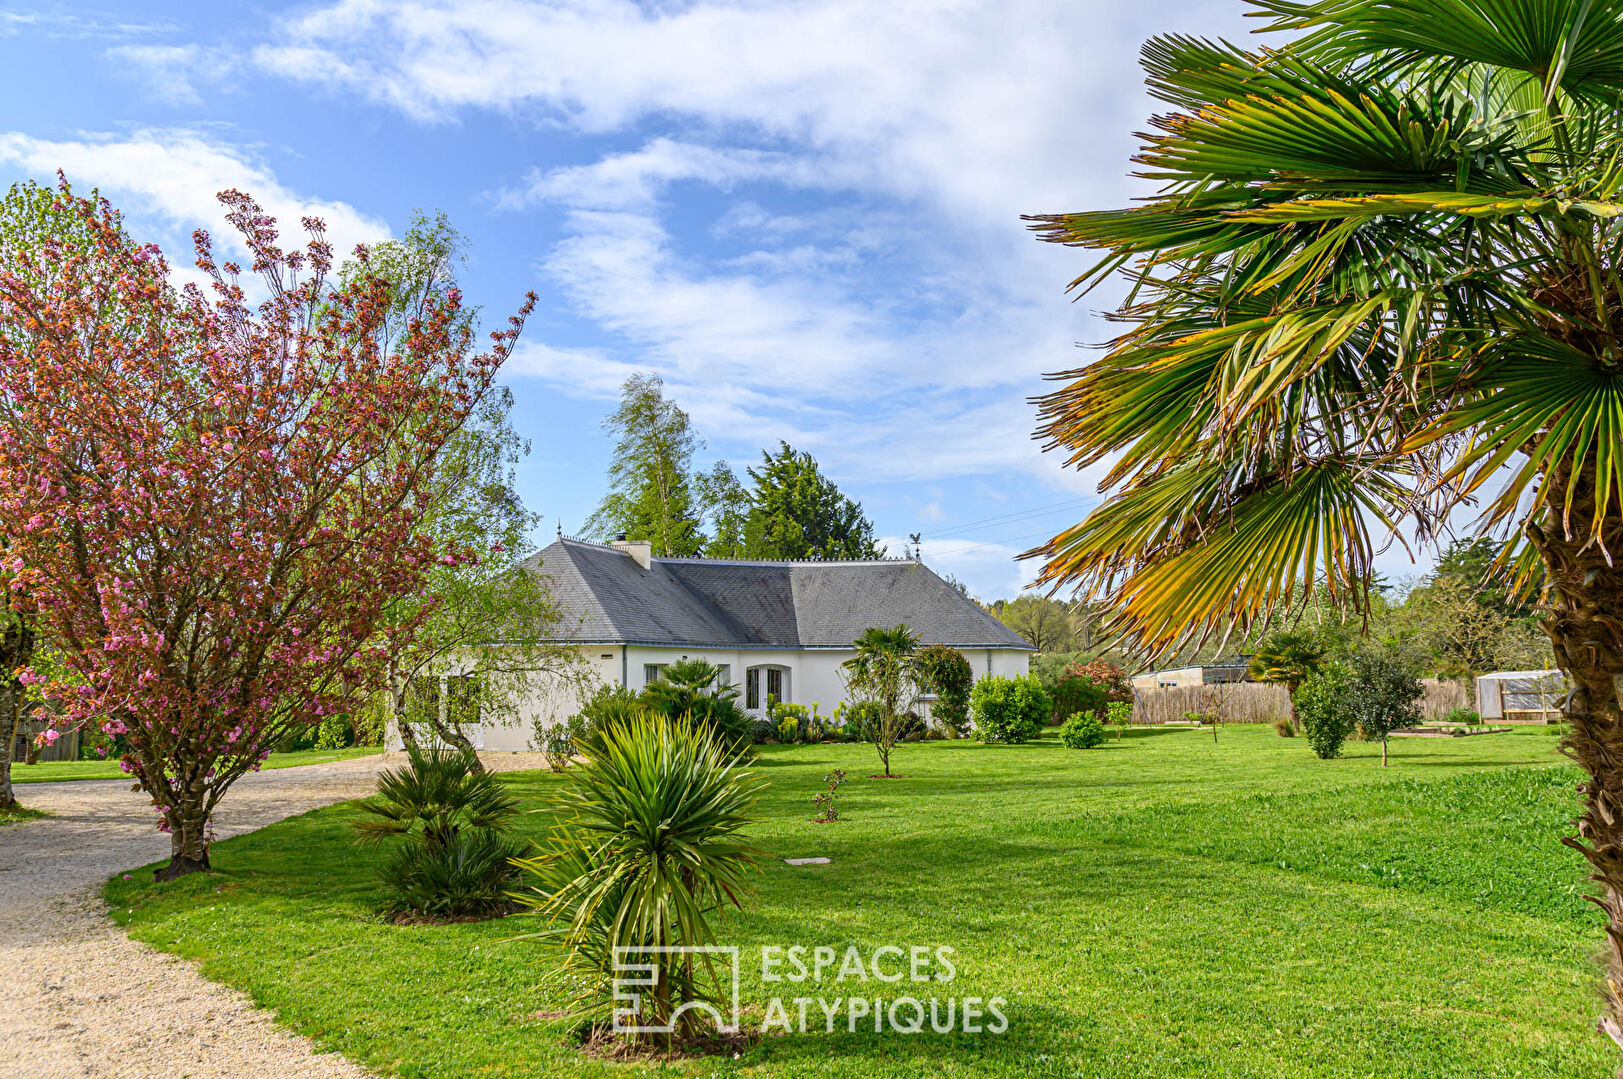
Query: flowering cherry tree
x=214, y=503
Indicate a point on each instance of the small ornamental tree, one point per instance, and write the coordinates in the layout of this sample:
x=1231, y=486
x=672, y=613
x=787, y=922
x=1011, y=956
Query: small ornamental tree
x=882, y=678
x=1382, y=696
x=943, y=671
x=215, y=505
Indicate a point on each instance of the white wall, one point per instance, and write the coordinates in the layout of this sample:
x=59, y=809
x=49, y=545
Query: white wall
x=814, y=675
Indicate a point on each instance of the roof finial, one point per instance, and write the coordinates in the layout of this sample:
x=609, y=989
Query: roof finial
x=915, y=537
x=560, y=528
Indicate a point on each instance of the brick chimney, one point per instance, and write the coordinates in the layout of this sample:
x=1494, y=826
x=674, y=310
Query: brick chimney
x=641, y=550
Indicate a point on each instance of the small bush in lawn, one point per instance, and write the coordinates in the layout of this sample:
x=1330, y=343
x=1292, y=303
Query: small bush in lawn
x=1120, y=715
x=454, y=857
x=1083, y=731
x=1464, y=716
x=650, y=851
x=828, y=811
x=1321, y=706
x=1009, y=709
x=1285, y=728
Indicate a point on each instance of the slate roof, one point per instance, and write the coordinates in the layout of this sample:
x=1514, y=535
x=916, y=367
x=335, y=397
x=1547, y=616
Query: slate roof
x=607, y=598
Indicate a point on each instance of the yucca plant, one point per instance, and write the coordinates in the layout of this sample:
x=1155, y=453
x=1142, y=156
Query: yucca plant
x=1382, y=277
x=649, y=852
x=454, y=857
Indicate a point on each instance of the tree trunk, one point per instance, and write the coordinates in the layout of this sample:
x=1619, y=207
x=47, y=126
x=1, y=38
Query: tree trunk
x=397, y=705
x=188, y=841
x=448, y=732
x=17, y=642
x=10, y=712
x=1585, y=625
x=1383, y=749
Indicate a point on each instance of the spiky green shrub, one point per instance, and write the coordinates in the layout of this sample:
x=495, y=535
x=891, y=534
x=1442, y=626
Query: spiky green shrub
x=454, y=856
x=650, y=852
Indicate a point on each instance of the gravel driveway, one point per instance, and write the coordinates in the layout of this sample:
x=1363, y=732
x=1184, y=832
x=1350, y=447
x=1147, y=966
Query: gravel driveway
x=78, y=998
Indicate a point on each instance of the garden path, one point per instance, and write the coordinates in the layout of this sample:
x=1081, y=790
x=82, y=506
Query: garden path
x=80, y=999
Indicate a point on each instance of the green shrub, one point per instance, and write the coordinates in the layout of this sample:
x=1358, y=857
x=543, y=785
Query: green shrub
x=1009, y=709
x=1083, y=731
x=943, y=671
x=692, y=690
x=1078, y=693
x=470, y=874
x=1463, y=716
x=650, y=849
x=453, y=858
x=1285, y=728
x=608, y=703
x=1321, y=706
x=788, y=730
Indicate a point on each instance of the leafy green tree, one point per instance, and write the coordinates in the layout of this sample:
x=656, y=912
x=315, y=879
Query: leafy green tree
x=1382, y=695
x=1381, y=277
x=1321, y=707
x=802, y=514
x=735, y=529
x=651, y=493
x=883, y=678
x=489, y=626
x=1046, y=624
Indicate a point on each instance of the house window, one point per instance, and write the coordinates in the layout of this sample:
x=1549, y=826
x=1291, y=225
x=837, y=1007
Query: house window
x=652, y=672
x=774, y=684
x=752, y=688
x=725, y=678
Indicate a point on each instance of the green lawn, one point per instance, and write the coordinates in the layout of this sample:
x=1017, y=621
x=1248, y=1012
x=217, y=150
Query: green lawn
x=1159, y=907
x=57, y=771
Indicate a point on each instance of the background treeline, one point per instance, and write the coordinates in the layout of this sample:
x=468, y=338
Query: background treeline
x=1460, y=620
x=783, y=508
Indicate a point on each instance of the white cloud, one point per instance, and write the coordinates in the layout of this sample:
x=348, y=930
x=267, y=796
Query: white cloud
x=63, y=24
x=896, y=334
x=973, y=104
x=170, y=178
x=633, y=181
x=168, y=73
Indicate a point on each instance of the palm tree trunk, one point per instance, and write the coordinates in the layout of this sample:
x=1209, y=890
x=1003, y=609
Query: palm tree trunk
x=1585, y=625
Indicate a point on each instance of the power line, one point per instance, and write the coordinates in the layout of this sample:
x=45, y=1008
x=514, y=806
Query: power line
x=996, y=542
x=1009, y=518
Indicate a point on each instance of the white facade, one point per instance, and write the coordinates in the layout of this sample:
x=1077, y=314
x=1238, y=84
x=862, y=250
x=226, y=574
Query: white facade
x=806, y=676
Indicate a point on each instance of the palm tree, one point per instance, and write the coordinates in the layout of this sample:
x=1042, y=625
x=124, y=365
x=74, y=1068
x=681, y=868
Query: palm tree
x=1287, y=658
x=1383, y=274
x=882, y=677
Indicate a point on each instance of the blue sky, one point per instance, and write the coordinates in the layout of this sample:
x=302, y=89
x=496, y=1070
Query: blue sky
x=805, y=216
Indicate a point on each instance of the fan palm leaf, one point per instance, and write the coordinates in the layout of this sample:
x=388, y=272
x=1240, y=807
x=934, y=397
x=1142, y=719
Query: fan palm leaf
x=1379, y=289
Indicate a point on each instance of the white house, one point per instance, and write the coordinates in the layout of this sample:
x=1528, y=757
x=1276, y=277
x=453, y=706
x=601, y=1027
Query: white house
x=776, y=629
